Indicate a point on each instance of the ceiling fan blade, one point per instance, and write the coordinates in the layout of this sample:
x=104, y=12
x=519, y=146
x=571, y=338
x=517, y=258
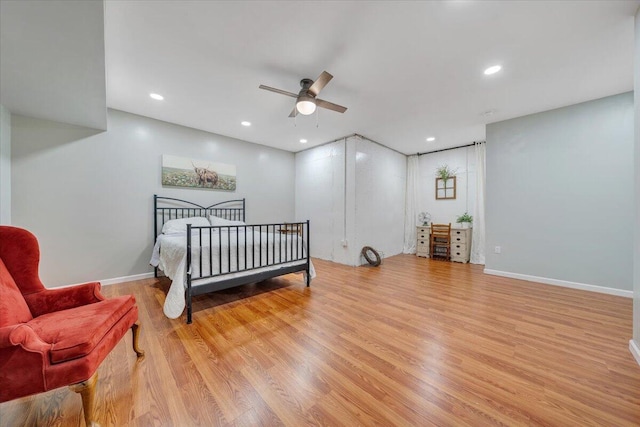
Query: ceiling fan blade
x=330, y=105
x=294, y=112
x=320, y=82
x=280, y=91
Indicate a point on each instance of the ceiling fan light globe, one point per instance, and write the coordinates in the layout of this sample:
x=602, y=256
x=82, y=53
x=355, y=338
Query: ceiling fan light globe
x=306, y=106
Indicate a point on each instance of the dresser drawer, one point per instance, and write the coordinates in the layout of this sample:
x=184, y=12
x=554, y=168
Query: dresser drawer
x=463, y=259
x=458, y=238
x=423, y=244
x=424, y=254
x=458, y=250
x=462, y=235
x=423, y=230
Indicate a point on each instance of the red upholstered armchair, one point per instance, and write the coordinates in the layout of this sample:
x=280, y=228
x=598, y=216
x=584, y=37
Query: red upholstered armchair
x=51, y=338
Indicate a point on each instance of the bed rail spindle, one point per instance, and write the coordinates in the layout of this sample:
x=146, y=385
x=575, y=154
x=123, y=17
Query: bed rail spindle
x=260, y=247
x=302, y=242
x=188, y=290
x=219, y=230
x=200, y=252
x=308, y=254
x=266, y=245
x=210, y=252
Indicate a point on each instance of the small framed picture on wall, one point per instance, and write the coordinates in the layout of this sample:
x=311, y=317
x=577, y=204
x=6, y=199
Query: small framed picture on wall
x=446, y=188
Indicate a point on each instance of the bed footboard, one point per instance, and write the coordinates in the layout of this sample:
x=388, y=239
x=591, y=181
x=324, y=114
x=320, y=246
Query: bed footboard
x=221, y=257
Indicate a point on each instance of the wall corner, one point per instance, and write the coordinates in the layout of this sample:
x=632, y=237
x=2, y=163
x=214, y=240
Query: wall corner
x=636, y=235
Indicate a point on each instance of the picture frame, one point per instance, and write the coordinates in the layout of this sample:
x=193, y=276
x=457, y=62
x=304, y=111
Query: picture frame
x=446, y=188
x=196, y=173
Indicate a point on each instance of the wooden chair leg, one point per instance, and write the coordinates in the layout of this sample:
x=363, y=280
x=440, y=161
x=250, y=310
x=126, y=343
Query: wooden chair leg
x=135, y=330
x=87, y=391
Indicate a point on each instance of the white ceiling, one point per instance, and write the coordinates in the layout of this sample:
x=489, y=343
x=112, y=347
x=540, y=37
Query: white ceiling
x=52, y=61
x=405, y=70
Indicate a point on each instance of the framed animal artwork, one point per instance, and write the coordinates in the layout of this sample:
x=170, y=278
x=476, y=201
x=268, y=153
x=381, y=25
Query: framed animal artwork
x=194, y=173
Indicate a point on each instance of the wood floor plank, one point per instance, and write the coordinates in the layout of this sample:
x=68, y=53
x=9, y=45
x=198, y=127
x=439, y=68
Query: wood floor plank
x=412, y=342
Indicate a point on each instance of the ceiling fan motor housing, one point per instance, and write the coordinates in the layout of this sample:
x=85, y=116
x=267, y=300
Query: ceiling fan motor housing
x=306, y=101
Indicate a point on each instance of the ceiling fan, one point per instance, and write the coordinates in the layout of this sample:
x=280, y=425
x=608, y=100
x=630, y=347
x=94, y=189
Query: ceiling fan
x=306, y=101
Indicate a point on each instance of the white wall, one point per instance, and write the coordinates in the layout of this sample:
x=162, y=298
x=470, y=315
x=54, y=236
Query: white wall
x=88, y=195
x=320, y=197
x=353, y=191
x=380, y=176
x=463, y=161
x=559, y=197
x=5, y=166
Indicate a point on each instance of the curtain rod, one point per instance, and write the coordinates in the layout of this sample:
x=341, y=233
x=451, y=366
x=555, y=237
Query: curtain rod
x=450, y=148
x=389, y=148
x=351, y=136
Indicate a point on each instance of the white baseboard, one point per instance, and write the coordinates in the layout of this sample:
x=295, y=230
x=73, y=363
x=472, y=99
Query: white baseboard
x=107, y=282
x=563, y=283
x=122, y=279
x=635, y=350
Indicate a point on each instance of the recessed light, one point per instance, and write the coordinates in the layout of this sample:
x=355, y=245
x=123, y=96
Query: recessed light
x=304, y=141
x=245, y=123
x=493, y=69
x=431, y=139
x=156, y=96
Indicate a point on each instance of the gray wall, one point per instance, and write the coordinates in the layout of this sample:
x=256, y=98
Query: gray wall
x=5, y=166
x=88, y=196
x=559, y=197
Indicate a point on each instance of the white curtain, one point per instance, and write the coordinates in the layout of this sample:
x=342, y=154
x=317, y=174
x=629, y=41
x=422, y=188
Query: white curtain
x=478, y=236
x=411, y=205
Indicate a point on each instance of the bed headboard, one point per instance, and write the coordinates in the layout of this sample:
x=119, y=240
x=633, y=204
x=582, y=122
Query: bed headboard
x=166, y=208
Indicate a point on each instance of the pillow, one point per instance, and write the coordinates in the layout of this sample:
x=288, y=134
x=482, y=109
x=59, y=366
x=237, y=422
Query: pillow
x=180, y=225
x=215, y=221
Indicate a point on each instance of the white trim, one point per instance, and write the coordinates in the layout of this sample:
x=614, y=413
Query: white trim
x=113, y=281
x=635, y=350
x=122, y=279
x=563, y=283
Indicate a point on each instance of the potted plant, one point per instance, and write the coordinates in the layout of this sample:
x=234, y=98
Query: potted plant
x=444, y=172
x=465, y=220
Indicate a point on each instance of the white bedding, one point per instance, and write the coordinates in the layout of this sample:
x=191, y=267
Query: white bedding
x=170, y=255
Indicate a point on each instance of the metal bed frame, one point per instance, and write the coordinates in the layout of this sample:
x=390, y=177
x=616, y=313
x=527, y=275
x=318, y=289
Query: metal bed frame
x=167, y=208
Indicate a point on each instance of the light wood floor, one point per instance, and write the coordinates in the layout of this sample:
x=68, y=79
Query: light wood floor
x=414, y=342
